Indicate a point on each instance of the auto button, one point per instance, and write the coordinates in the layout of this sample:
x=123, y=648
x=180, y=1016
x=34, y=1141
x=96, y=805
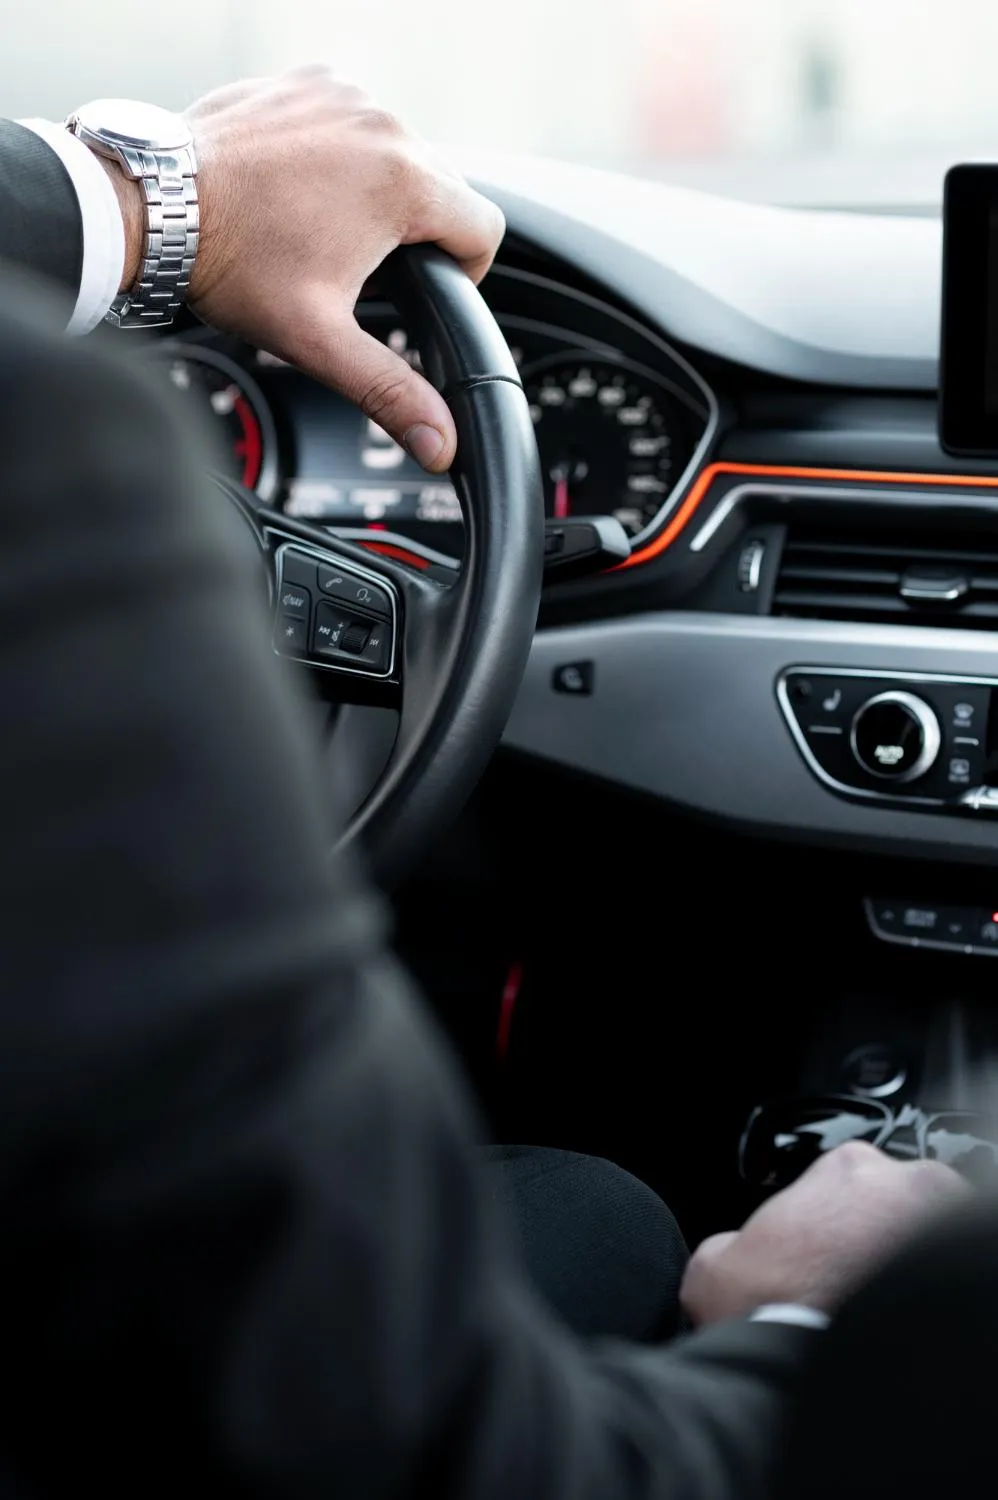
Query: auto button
x=896, y=736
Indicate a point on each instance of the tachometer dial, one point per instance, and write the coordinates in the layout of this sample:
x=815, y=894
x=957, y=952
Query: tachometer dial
x=237, y=409
x=610, y=437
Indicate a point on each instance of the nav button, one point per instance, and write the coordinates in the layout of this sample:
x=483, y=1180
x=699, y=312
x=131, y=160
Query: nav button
x=295, y=601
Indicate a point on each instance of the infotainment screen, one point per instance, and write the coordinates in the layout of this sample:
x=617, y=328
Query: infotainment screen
x=968, y=407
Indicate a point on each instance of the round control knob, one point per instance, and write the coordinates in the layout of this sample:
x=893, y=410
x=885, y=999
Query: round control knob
x=896, y=737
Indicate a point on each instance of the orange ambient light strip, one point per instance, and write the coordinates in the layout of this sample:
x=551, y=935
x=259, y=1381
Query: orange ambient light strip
x=703, y=482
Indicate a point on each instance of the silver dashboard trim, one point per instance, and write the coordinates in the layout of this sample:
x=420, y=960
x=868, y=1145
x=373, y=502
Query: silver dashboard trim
x=358, y=571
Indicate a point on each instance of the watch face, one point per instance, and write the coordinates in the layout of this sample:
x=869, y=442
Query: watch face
x=126, y=122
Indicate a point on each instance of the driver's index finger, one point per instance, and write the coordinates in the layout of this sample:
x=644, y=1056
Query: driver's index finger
x=462, y=221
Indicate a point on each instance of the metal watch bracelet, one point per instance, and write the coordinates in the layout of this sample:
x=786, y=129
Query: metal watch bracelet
x=172, y=229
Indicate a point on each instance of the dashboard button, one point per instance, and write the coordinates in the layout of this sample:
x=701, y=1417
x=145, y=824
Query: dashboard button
x=896, y=737
x=986, y=934
x=957, y=926
x=982, y=799
x=354, y=590
x=956, y=929
x=575, y=678
x=750, y=562
x=886, y=915
x=922, y=921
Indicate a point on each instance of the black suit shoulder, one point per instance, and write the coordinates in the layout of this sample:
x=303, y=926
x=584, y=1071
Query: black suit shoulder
x=40, y=223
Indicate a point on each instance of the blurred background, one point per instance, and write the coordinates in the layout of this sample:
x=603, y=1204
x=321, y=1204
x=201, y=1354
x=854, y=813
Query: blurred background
x=851, y=102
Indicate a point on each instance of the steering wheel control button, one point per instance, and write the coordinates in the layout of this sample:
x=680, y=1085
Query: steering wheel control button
x=577, y=678
x=355, y=639
x=331, y=625
x=353, y=589
x=376, y=652
x=355, y=634
x=295, y=602
x=345, y=639
x=291, y=636
x=896, y=736
x=297, y=567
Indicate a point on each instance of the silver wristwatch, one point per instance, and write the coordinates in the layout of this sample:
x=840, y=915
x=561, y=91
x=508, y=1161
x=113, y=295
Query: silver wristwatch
x=157, y=148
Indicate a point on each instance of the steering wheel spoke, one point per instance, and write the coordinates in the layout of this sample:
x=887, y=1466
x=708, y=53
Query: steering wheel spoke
x=364, y=621
x=336, y=614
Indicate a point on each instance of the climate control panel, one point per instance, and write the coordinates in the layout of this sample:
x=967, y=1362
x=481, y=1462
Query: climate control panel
x=896, y=737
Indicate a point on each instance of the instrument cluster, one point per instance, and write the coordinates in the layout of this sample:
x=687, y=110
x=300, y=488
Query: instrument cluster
x=618, y=423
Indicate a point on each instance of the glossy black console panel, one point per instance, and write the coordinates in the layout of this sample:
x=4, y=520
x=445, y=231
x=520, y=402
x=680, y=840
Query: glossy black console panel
x=900, y=738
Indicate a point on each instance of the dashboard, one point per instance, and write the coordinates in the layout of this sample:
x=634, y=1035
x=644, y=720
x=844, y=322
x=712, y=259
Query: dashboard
x=803, y=641
x=621, y=420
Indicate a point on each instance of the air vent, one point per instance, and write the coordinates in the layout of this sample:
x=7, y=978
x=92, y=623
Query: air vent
x=910, y=578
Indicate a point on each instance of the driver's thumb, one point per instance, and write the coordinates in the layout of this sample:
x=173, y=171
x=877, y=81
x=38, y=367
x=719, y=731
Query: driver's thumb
x=389, y=391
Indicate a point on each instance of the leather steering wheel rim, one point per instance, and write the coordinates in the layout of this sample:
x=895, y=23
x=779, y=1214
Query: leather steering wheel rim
x=461, y=649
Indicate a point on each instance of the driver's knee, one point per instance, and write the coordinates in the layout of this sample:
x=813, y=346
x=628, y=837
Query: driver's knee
x=600, y=1246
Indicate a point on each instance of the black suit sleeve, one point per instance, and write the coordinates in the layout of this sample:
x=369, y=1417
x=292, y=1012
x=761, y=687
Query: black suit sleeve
x=40, y=223
x=246, y=1245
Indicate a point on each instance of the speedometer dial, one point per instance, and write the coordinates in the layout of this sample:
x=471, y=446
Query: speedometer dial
x=237, y=410
x=610, y=437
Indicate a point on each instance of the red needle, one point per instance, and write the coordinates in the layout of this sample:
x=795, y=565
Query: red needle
x=562, y=505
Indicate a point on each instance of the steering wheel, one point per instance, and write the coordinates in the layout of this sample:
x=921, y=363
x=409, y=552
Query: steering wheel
x=449, y=658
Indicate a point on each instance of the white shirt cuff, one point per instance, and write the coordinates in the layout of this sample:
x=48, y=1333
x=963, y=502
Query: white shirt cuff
x=103, y=230
x=791, y=1312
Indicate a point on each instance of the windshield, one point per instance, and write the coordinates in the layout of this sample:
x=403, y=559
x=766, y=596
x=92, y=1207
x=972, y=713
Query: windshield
x=856, y=103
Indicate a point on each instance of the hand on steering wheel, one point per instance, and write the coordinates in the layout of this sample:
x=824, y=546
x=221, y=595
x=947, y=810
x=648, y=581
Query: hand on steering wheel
x=449, y=658
x=305, y=188
x=345, y=185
